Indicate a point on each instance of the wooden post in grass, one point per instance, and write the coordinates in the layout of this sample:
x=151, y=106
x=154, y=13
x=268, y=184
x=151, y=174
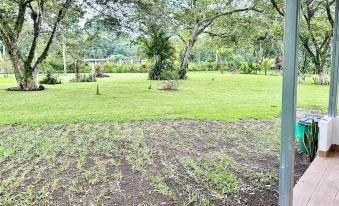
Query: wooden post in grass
x=98, y=92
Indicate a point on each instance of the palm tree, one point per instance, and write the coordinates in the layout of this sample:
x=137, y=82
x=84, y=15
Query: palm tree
x=159, y=49
x=266, y=64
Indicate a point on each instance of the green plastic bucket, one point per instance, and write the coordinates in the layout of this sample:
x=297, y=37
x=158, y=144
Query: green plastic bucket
x=302, y=127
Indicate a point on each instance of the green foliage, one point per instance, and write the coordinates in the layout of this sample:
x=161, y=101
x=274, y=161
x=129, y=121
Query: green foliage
x=255, y=67
x=233, y=64
x=169, y=75
x=159, y=49
x=203, y=66
x=267, y=64
x=199, y=98
x=310, y=141
x=50, y=78
x=245, y=68
x=161, y=187
x=215, y=175
x=6, y=67
x=85, y=78
x=117, y=68
x=321, y=79
x=6, y=153
x=56, y=66
x=170, y=85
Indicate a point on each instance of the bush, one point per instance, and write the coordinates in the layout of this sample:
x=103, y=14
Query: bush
x=245, y=68
x=57, y=67
x=170, y=85
x=5, y=67
x=255, y=67
x=99, y=73
x=169, y=75
x=233, y=64
x=203, y=66
x=50, y=79
x=267, y=64
x=321, y=79
x=160, y=50
x=116, y=68
x=85, y=78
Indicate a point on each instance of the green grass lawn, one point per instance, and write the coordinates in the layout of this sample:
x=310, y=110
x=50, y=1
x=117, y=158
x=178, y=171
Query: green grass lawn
x=127, y=97
x=73, y=151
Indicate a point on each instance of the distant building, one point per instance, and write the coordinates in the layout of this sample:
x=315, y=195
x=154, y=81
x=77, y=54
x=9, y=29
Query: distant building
x=121, y=62
x=97, y=61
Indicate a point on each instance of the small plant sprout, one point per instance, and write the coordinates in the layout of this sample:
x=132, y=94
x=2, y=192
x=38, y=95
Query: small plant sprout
x=150, y=86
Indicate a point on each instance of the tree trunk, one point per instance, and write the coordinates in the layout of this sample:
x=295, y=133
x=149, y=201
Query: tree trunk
x=217, y=62
x=323, y=77
x=77, y=70
x=187, y=54
x=318, y=68
x=184, y=64
x=64, y=54
x=29, y=81
x=3, y=51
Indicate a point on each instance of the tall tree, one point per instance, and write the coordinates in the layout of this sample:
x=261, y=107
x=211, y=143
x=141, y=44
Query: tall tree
x=37, y=13
x=186, y=19
x=191, y=18
x=317, y=30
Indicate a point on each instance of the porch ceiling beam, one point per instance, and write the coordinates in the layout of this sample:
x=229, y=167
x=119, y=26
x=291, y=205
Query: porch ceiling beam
x=289, y=95
x=333, y=100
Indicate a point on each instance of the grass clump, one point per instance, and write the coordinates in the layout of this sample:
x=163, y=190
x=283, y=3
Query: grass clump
x=161, y=187
x=50, y=79
x=216, y=175
x=170, y=85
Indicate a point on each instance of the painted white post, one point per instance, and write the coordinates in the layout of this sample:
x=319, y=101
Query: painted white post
x=93, y=69
x=289, y=97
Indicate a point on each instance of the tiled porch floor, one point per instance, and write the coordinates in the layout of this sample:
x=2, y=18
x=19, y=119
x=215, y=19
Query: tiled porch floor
x=320, y=184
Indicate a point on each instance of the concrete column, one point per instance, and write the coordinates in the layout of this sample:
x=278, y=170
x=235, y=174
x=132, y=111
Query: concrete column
x=333, y=99
x=289, y=96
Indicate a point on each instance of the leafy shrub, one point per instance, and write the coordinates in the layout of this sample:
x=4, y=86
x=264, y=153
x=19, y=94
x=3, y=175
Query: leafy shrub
x=169, y=75
x=267, y=64
x=255, y=67
x=6, y=67
x=321, y=79
x=310, y=140
x=57, y=67
x=116, y=68
x=50, y=78
x=203, y=66
x=233, y=64
x=85, y=78
x=160, y=50
x=99, y=73
x=170, y=85
x=245, y=68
